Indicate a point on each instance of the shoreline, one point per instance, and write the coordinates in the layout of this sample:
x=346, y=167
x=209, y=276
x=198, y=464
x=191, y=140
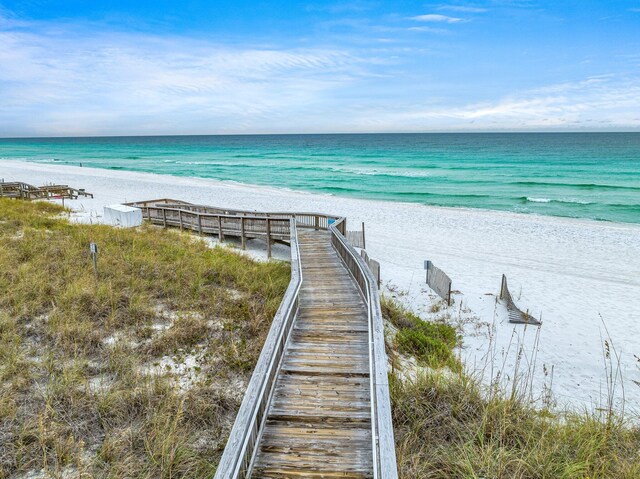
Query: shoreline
x=572, y=270
x=55, y=169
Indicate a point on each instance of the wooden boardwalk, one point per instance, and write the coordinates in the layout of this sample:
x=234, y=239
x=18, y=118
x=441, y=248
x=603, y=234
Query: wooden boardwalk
x=319, y=420
x=317, y=404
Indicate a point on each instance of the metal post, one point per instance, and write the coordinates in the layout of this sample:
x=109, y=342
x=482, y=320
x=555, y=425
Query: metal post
x=93, y=248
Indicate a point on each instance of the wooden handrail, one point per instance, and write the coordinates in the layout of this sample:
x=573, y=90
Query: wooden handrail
x=246, y=432
x=384, y=454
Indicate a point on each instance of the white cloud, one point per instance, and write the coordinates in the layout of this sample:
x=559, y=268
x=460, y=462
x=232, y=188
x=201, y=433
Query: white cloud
x=437, y=18
x=595, y=103
x=64, y=83
x=463, y=8
x=428, y=29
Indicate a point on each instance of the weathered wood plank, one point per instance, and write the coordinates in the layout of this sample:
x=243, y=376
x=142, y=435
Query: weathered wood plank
x=319, y=421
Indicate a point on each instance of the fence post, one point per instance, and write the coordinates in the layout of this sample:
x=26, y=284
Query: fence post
x=449, y=295
x=180, y=216
x=317, y=222
x=242, y=236
x=164, y=216
x=220, y=236
x=269, y=238
x=364, y=243
x=199, y=224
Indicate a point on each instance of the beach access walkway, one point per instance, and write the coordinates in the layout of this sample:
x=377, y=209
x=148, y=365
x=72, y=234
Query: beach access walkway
x=25, y=191
x=317, y=404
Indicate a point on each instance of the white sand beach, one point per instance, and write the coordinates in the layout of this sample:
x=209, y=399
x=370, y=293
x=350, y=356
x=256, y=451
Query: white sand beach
x=578, y=275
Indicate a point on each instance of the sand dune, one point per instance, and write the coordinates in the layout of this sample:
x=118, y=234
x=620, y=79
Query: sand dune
x=577, y=275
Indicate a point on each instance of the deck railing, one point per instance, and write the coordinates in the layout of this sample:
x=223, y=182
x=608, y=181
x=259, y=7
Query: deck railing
x=245, y=435
x=227, y=222
x=384, y=455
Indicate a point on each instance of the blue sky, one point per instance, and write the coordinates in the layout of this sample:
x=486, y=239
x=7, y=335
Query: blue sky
x=196, y=67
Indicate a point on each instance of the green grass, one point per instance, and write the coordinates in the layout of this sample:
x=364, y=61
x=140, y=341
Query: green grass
x=81, y=390
x=431, y=343
x=448, y=426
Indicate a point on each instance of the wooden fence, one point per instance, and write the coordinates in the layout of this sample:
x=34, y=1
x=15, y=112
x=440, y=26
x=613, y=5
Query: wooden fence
x=356, y=238
x=516, y=315
x=439, y=281
x=373, y=265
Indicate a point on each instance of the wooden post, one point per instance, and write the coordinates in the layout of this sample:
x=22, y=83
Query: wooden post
x=317, y=222
x=449, y=295
x=268, y=238
x=180, y=216
x=164, y=216
x=220, y=236
x=364, y=244
x=199, y=225
x=243, y=238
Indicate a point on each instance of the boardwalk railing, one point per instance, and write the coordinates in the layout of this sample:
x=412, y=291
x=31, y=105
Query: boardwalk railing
x=384, y=455
x=245, y=435
x=273, y=226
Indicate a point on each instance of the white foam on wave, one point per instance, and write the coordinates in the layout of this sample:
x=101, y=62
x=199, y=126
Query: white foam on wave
x=561, y=200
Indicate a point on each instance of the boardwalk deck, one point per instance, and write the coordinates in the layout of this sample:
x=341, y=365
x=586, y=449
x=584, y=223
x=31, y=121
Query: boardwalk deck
x=319, y=420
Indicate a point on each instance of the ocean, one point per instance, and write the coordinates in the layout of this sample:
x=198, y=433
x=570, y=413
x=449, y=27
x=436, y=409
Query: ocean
x=579, y=175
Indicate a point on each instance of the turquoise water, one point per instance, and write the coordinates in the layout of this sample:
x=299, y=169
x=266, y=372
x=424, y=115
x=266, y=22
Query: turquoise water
x=582, y=175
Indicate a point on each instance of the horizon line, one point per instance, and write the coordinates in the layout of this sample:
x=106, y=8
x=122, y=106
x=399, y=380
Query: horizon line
x=487, y=132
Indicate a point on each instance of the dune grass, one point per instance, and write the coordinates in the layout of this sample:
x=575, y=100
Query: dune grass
x=431, y=343
x=135, y=372
x=447, y=425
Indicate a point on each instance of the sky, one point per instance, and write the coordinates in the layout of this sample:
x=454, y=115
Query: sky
x=78, y=68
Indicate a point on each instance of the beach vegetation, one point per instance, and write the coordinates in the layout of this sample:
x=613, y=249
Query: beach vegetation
x=430, y=342
x=448, y=424
x=136, y=371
